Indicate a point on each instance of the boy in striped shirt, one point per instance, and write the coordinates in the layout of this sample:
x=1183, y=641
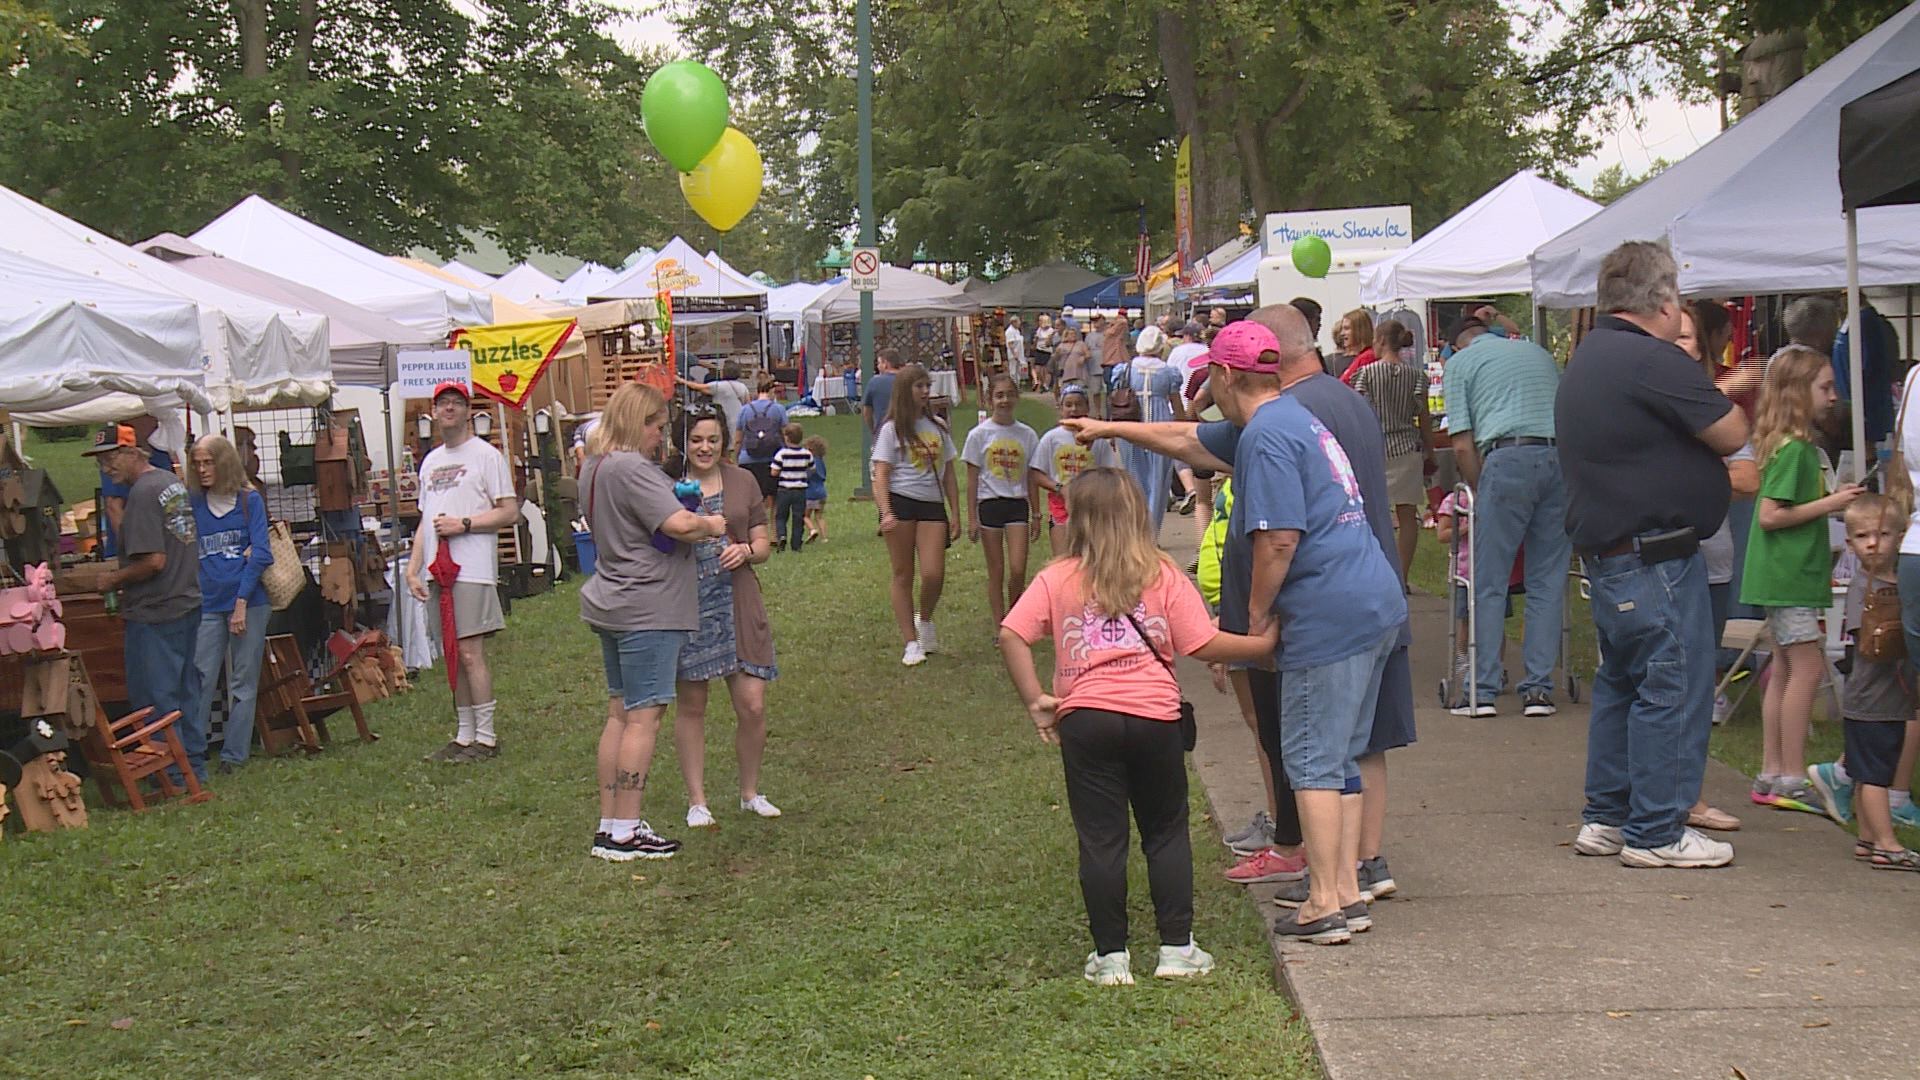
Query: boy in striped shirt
x=791, y=464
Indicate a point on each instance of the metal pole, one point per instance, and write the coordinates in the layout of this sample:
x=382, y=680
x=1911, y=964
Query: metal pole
x=863, y=29
x=1860, y=447
x=400, y=594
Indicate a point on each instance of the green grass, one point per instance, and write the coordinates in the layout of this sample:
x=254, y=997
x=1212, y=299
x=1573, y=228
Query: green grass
x=76, y=477
x=916, y=913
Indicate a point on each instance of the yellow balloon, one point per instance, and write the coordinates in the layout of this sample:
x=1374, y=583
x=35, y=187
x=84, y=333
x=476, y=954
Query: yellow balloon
x=724, y=187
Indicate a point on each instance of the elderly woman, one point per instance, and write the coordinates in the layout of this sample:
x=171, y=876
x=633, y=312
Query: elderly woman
x=1157, y=387
x=735, y=640
x=1072, y=358
x=641, y=601
x=231, y=519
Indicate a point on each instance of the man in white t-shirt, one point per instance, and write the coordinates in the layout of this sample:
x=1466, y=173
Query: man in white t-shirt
x=1189, y=358
x=1016, y=350
x=466, y=498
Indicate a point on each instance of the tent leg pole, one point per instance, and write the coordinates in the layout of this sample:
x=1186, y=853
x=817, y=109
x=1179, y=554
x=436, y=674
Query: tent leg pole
x=1860, y=447
x=393, y=503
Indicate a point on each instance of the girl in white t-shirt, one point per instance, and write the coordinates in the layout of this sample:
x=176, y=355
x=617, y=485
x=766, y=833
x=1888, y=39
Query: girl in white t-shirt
x=998, y=453
x=919, y=501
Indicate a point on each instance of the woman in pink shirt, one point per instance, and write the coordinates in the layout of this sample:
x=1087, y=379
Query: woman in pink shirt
x=1119, y=611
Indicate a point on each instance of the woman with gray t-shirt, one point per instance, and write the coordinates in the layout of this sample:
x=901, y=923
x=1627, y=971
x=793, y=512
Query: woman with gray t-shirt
x=640, y=601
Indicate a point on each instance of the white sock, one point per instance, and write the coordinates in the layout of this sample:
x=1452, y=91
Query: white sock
x=606, y=826
x=465, y=734
x=1840, y=772
x=623, y=828
x=483, y=723
x=1898, y=797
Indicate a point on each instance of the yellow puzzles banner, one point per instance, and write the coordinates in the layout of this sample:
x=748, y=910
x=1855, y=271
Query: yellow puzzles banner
x=510, y=357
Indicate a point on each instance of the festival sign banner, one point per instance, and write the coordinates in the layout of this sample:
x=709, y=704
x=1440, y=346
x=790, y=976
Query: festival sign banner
x=1183, y=208
x=509, y=358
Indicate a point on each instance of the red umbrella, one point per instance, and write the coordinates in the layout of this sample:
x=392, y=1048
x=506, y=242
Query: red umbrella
x=445, y=571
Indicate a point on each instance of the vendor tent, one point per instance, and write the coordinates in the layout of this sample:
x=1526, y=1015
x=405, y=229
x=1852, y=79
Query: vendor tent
x=903, y=294
x=261, y=234
x=1877, y=168
x=1114, y=292
x=1240, y=274
x=680, y=270
x=256, y=352
x=361, y=343
x=786, y=303
x=525, y=283
x=467, y=275
x=75, y=341
x=1483, y=249
x=581, y=283
x=1043, y=287
x=1757, y=210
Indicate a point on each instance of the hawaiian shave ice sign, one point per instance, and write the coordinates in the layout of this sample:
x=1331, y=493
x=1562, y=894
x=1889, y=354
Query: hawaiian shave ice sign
x=1359, y=228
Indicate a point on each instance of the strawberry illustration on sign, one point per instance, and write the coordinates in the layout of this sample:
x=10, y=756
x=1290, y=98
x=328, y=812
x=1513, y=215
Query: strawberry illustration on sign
x=508, y=359
x=508, y=380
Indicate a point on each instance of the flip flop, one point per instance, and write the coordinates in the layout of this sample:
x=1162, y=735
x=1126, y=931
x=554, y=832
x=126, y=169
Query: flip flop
x=1896, y=859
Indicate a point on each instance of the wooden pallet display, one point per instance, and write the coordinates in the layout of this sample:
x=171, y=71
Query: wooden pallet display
x=633, y=353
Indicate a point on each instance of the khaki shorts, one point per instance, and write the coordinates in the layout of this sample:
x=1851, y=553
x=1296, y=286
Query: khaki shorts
x=476, y=610
x=1405, y=479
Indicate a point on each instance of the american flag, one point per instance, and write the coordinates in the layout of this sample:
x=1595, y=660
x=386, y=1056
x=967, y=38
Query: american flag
x=1202, y=274
x=1143, y=255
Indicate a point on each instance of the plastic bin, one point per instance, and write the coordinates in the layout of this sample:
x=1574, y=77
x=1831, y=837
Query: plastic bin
x=589, y=554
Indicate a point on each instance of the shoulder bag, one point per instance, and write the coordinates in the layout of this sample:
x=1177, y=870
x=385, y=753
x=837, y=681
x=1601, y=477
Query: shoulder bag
x=284, y=577
x=1189, y=726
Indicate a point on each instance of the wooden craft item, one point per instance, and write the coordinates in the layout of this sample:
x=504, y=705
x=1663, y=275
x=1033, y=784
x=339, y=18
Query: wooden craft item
x=83, y=708
x=4, y=811
x=336, y=581
x=44, y=687
x=49, y=796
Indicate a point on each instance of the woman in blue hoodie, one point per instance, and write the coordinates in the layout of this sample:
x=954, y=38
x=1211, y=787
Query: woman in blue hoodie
x=232, y=521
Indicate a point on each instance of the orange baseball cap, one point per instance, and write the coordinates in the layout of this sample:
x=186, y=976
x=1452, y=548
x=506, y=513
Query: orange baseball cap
x=112, y=437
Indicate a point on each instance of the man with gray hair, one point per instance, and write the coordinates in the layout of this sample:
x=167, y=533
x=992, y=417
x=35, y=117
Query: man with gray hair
x=1642, y=432
x=1813, y=321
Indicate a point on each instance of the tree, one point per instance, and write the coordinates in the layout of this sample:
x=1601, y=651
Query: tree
x=1614, y=181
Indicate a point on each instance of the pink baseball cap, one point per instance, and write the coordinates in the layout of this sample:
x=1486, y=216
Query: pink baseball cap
x=1240, y=345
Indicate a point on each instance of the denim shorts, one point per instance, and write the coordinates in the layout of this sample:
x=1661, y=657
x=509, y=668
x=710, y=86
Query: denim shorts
x=641, y=665
x=1326, y=716
x=1793, y=625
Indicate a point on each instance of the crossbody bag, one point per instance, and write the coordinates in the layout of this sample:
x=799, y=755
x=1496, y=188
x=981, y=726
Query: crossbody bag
x=1189, y=726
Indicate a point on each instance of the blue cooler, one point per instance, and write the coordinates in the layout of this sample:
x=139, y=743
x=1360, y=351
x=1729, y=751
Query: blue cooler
x=589, y=554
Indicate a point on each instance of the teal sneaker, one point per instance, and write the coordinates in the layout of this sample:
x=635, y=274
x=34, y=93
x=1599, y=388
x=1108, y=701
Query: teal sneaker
x=1907, y=815
x=1836, y=793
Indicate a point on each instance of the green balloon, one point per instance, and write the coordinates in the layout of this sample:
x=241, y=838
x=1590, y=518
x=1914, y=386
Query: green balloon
x=684, y=111
x=1312, y=256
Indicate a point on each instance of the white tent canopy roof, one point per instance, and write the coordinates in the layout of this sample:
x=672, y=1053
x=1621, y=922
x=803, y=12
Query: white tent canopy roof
x=479, y=279
x=524, y=284
x=1757, y=209
x=93, y=349
x=903, y=294
x=1483, y=249
x=259, y=233
x=684, y=272
x=581, y=283
x=787, y=302
x=256, y=353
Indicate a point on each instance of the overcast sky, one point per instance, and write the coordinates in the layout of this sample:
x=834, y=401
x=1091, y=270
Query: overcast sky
x=1664, y=128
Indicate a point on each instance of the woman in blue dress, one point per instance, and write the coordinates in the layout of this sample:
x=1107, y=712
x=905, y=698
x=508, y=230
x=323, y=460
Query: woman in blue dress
x=735, y=640
x=1157, y=386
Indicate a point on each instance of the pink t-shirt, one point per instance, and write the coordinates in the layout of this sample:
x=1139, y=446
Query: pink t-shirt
x=1100, y=662
x=1447, y=507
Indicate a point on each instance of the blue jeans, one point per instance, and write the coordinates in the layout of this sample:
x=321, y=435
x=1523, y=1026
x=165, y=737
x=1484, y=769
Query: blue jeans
x=1521, y=498
x=161, y=673
x=1326, y=717
x=789, y=516
x=240, y=654
x=1652, y=697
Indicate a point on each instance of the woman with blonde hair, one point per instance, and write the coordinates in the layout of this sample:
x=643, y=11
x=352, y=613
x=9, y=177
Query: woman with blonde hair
x=918, y=496
x=641, y=603
x=231, y=520
x=1352, y=336
x=1119, y=612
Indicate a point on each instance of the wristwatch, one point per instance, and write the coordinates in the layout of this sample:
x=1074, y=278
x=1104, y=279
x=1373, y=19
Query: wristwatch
x=466, y=525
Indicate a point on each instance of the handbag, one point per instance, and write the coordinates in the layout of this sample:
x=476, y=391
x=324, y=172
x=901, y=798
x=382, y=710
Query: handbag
x=1881, y=638
x=284, y=577
x=1189, y=725
x=1123, y=403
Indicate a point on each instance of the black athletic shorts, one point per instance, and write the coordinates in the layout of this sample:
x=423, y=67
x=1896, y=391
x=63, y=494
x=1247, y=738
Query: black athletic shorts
x=763, y=472
x=905, y=509
x=1000, y=513
x=1873, y=750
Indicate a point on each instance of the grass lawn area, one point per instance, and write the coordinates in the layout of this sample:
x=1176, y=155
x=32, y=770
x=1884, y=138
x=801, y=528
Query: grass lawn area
x=916, y=913
x=75, y=476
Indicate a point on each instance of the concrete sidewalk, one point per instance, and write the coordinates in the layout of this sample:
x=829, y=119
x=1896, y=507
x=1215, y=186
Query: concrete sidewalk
x=1504, y=954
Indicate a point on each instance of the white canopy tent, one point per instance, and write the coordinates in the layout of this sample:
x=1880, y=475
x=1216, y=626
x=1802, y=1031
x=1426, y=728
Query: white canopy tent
x=903, y=294
x=788, y=303
x=255, y=352
x=1483, y=249
x=1757, y=210
x=76, y=342
x=479, y=279
x=682, y=271
x=525, y=284
x=581, y=283
x=261, y=234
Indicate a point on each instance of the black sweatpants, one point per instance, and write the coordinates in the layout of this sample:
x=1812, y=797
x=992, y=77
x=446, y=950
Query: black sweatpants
x=1114, y=761
x=1266, y=721
x=789, y=516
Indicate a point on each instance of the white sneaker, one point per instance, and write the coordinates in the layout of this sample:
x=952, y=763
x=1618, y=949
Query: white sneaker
x=1692, y=851
x=1112, y=969
x=923, y=628
x=759, y=805
x=1598, y=839
x=1722, y=708
x=699, y=817
x=1183, y=961
x=1480, y=711
x=914, y=656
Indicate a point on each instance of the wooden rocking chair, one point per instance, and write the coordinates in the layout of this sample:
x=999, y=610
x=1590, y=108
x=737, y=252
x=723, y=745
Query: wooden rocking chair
x=137, y=747
x=294, y=706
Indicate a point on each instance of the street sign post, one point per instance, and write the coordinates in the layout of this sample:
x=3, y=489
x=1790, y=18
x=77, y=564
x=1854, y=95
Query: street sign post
x=863, y=272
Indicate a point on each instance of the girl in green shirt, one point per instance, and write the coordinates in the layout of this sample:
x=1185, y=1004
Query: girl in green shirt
x=1789, y=567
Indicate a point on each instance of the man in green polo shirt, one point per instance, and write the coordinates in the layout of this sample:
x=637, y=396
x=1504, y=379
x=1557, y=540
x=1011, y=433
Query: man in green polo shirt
x=1500, y=393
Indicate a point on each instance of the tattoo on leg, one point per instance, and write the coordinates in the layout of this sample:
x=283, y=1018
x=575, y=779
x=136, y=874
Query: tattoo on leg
x=624, y=780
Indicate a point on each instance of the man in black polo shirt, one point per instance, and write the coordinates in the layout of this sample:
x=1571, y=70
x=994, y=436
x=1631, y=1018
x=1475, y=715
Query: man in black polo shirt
x=1642, y=432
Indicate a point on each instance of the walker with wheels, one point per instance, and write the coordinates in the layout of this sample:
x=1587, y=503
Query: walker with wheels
x=1450, y=692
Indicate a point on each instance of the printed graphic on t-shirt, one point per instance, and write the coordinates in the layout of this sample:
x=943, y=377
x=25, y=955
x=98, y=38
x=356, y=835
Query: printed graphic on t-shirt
x=1006, y=459
x=1070, y=459
x=924, y=450
x=1343, y=474
x=445, y=478
x=225, y=544
x=1092, y=629
x=178, y=512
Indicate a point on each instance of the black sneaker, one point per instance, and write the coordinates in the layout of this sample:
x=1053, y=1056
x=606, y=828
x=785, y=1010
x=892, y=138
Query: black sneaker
x=648, y=844
x=1331, y=930
x=1537, y=703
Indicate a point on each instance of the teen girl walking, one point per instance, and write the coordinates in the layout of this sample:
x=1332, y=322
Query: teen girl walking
x=998, y=453
x=1119, y=612
x=1789, y=567
x=912, y=475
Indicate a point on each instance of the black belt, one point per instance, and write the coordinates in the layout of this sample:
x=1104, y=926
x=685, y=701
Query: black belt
x=1516, y=440
x=1655, y=547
